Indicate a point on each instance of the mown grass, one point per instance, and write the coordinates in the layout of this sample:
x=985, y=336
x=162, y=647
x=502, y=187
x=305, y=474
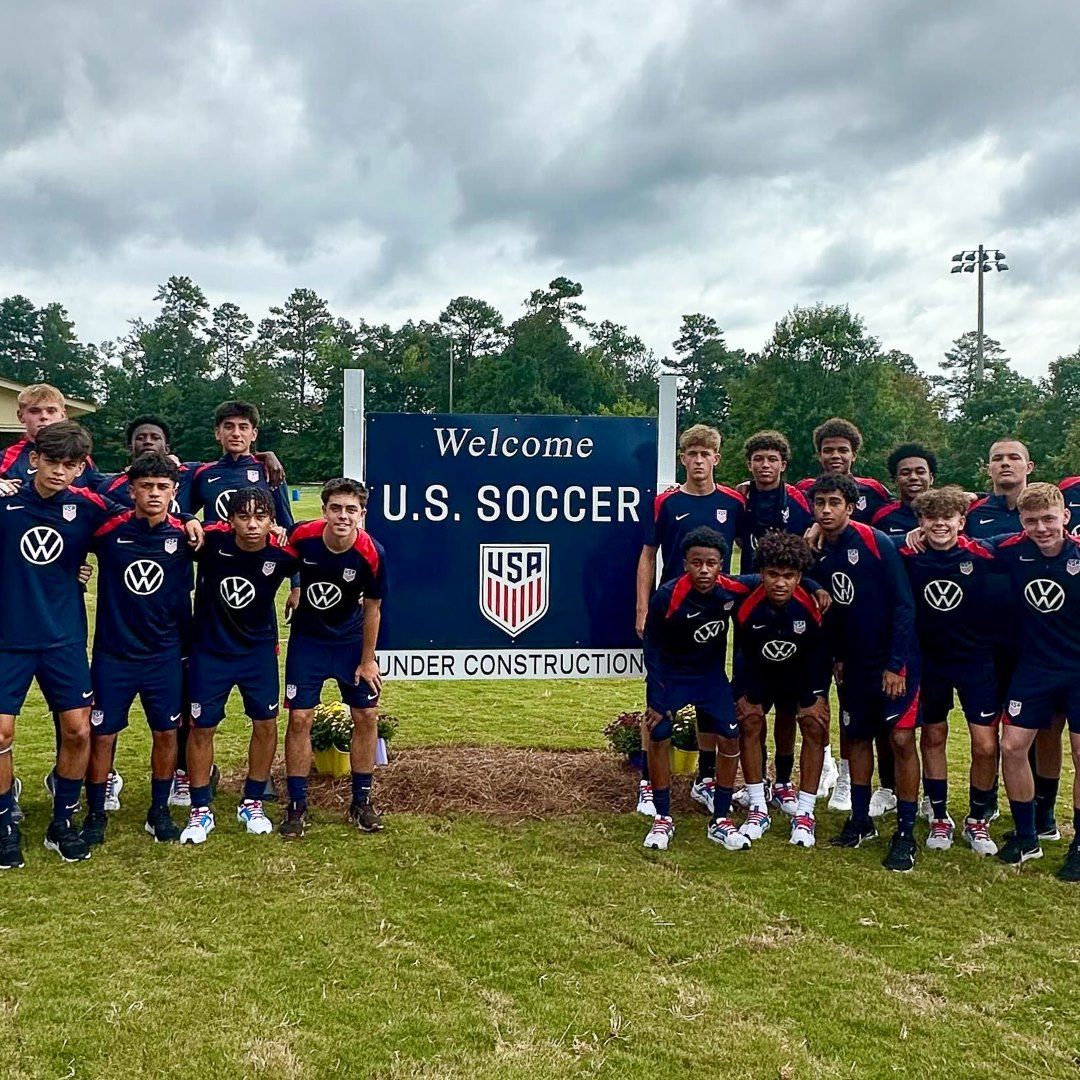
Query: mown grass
x=467, y=947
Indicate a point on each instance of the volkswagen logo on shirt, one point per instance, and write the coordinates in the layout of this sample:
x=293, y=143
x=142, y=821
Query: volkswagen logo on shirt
x=41, y=545
x=843, y=588
x=143, y=577
x=707, y=631
x=237, y=592
x=778, y=650
x=221, y=504
x=1044, y=595
x=942, y=594
x=323, y=594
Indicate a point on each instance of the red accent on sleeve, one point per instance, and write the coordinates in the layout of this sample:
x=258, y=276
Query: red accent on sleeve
x=875, y=485
x=678, y=594
x=115, y=522
x=93, y=496
x=738, y=495
x=1068, y=482
x=214, y=527
x=796, y=495
x=1016, y=538
x=733, y=586
x=366, y=546
x=805, y=485
x=201, y=469
x=659, y=501
x=978, y=502
x=868, y=537
x=118, y=481
x=807, y=602
x=11, y=454
x=887, y=509
x=750, y=604
x=306, y=530
x=973, y=547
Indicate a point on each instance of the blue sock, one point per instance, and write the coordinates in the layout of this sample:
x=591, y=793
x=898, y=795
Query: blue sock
x=95, y=797
x=66, y=799
x=159, y=791
x=937, y=791
x=297, y=786
x=721, y=802
x=980, y=802
x=905, y=816
x=200, y=796
x=645, y=767
x=860, y=802
x=1046, y=793
x=7, y=800
x=361, y=787
x=1023, y=813
x=253, y=789
x=661, y=798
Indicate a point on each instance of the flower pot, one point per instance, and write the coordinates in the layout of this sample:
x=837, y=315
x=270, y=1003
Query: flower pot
x=683, y=762
x=382, y=757
x=332, y=762
x=636, y=759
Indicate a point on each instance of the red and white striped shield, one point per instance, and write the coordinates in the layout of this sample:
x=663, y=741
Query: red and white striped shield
x=514, y=585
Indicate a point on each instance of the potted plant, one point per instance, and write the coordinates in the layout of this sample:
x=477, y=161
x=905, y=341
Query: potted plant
x=624, y=737
x=331, y=733
x=388, y=725
x=684, y=751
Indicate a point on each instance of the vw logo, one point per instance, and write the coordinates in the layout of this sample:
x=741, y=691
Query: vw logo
x=221, y=504
x=237, y=592
x=143, y=577
x=707, y=631
x=325, y=594
x=41, y=545
x=1044, y=595
x=778, y=650
x=942, y=594
x=843, y=588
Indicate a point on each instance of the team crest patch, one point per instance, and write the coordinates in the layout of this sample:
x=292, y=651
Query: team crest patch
x=268, y=567
x=349, y=575
x=515, y=585
x=721, y=516
x=253, y=475
x=799, y=626
x=290, y=691
x=1014, y=708
x=1073, y=566
x=966, y=567
x=196, y=710
x=69, y=512
x=853, y=556
x=170, y=546
x=96, y=717
x=729, y=605
x=861, y=504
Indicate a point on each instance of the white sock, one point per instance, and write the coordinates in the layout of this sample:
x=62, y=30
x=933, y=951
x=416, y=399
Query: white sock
x=845, y=769
x=807, y=801
x=828, y=752
x=757, y=796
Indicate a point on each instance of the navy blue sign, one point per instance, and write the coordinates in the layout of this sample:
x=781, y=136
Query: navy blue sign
x=511, y=542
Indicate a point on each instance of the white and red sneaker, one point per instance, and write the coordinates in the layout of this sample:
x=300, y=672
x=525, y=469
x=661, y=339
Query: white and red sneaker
x=802, y=831
x=702, y=792
x=756, y=825
x=181, y=789
x=941, y=834
x=659, y=836
x=977, y=836
x=644, y=799
x=724, y=832
x=784, y=797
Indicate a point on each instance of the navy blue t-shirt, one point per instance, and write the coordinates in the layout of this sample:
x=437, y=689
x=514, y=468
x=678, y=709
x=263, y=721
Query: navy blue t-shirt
x=213, y=483
x=15, y=465
x=783, y=509
x=677, y=512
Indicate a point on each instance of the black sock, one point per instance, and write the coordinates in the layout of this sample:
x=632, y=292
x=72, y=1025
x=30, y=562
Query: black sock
x=937, y=791
x=979, y=802
x=645, y=767
x=1076, y=821
x=785, y=763
x=706, y=764
x=181, y=745
x=1046, y=793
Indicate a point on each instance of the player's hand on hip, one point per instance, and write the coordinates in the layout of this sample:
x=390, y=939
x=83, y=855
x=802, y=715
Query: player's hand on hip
x=895, y=686
x=369, y=672
x=194, y=531
x=652, y=718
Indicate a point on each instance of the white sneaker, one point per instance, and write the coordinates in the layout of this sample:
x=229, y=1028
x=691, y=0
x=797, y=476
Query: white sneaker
x=659, y=836
x=741, y=799
x=644, y=799
x=113, y=786
x=830, y=773
x=181, y=792
x=977, y=836
x=926, y=808
x=724, y=832
x=200, y=825
x=756, y=825
x=882, y=802
x=941, y=834
x=802, y=831
x=784, y=798
x=702, y=792
x=841, y=796
x=250, y=814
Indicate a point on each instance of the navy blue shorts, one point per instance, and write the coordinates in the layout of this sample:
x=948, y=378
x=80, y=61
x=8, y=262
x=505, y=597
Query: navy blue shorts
x=1036, y=697
x=309, y=663
x=866, y=711
x=976, y=686
x=158, y=683
x=63, y=674
x=211, y=677
x=710, y=695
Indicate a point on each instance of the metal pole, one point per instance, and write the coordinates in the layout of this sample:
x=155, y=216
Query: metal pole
x=979, y=358
x=353, y=430
x=451, y=375
x=666, y=433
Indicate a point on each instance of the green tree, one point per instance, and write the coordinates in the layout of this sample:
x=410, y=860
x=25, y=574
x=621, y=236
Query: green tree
x=20, y=340
x=708, y=372
x=229, y=337
x=475, y=327
x=560, y=298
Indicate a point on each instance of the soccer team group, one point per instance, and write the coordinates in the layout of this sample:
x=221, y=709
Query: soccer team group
x=55, y=509
x=902, y=602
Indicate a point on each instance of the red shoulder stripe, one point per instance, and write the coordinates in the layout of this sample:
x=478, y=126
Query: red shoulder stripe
x=659, y=501
x=807, y=602
x=115, y=522
x=874, y=485
x=216, y=527
x=750, y=604
x=805, y=485
x=978, y=502
x=973, y=547
x=1012, y=541
x=909, y=552
x=796, y=495
x=11, y=454
x=366, y=546
x=887, y=509
x=1068, y=482
x=175, y=522
x=93, y=496
x=678, y=594
x=306, y=530
x=868, y=536
x=119, y=479
x=201, y=469
x=733, y=493
x=736, y=587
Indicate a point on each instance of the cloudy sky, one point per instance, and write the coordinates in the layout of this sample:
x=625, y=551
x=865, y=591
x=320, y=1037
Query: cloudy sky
x=730, y=158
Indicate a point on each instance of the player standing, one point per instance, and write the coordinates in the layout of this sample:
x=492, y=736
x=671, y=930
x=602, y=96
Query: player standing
x=912, y=467
x=837, y=443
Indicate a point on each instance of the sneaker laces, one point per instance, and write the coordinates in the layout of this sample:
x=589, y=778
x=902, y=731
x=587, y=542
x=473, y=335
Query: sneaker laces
x=804, y=821
x=662, y=825
x=110, y=785
x=180, y=782
x=756, y=817
x=254, y=807
x=942, y=827
x=978, y=829
x=724, y=825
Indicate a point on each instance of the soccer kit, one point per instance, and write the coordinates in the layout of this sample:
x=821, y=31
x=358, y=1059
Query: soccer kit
x=895, y=519
x=991, y=516
x=327, y=636
x=15, y=465
x=871, y=629
x=235, y=627
x=873, y=495
x=43, y=542
x=676, y=513
x=143, y=607
x=212, y=484
x=117, y=487
x=783, y=509
x=954, y=608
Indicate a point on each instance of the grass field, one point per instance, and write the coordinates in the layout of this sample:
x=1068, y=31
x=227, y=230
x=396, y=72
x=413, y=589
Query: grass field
x=467, y=947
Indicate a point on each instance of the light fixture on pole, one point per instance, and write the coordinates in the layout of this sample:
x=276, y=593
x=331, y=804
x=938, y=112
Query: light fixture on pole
x=979, y=262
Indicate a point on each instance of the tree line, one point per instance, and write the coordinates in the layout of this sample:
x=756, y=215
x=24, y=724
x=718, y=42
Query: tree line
x=818, y=362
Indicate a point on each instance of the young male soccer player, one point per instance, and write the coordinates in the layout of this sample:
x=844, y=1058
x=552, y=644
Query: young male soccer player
x=334, y=635
x=146, y=435
x=912, y=466
x=241, y=567
x=143, y=608
x=950, y=577
x=782, y=662
x=837, y=443
x=1043, y=564
x=872, y=629
x=996, y=514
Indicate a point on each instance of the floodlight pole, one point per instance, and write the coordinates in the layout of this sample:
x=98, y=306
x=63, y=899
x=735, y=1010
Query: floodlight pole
x=979, y=363
x=451, y=409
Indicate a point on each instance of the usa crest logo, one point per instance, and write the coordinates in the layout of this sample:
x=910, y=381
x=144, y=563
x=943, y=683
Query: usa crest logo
x=861, y=504
x=349, y=575
x=515, y=585
x=290, y=691
x=253, y=476
x=799, y=626
x=967, y=567
x=1014, y=708
x=268, y=567
x=853, y=556
x=69, y=512
x=170, y=546
x=196, y=710
x=1073, y=566
x=721, y=516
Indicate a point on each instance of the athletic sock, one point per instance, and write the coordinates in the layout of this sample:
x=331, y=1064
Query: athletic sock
x=159, y=792
x=361, y=787
x=253, y=789
x=757, y=796
x=845, y=769
x=7, y=802
x=645, y=766
x=785, y=763
x=706, y=765
x=807, y=802
x=980, y=801
x=1023, y=812
x=905, y=816
x=1046, y=793
x=827, y=753
x=860, y=803
x=661, y=798
x=200, y=795
x=937, y=791
x=1076, y=820
x=66, y=799
x=95, y=797
x=297, y=788
x=721, y=801
x=992, y=801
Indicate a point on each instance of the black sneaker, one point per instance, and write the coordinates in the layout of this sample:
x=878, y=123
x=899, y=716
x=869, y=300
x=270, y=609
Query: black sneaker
x=901, y=856
x=365, y=817
x=93, y=829
x=1070, y=869
x=1047, y=829
x=160, y=825
x=63, y=838
x=17, y=812
x=11, y=849
x=292, y=828
x=1013, y=853
x=853, y=833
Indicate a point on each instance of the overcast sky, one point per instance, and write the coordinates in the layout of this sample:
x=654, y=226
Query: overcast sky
x=730, y=158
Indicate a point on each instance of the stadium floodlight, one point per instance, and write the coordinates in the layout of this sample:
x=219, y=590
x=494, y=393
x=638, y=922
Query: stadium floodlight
x=982, y=259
